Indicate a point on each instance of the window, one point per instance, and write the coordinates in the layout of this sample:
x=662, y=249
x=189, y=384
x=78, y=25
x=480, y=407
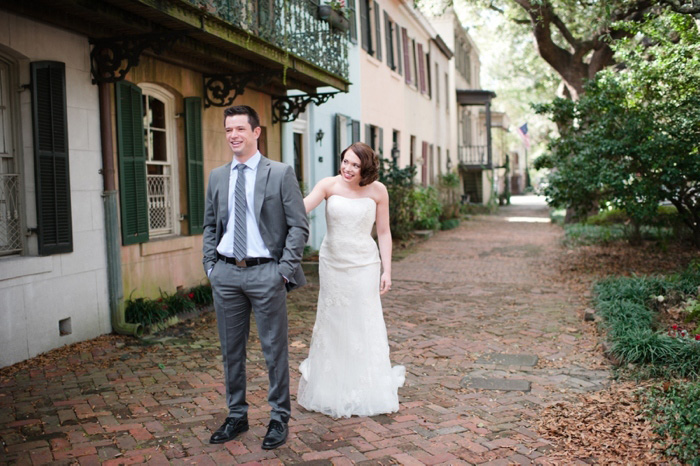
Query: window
x=366, y=27
x=412, y=151
x=395, y=148
x=161, y=160
x=347, y=131
x=370, y=28
x=374, y=137
x=426, y=162
x=437, y=85
x=148, y=169
x=406, y=55
x=10, y=221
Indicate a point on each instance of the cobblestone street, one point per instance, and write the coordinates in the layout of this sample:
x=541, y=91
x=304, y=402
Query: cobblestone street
x=487, y=331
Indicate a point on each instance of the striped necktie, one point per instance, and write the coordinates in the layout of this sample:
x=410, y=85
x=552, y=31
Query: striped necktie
x=239, y=231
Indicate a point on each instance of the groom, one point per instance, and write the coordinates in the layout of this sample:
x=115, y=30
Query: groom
x=255, y=229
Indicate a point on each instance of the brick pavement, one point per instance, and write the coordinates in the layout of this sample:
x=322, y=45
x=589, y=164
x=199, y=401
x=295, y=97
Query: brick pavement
x=461, y=301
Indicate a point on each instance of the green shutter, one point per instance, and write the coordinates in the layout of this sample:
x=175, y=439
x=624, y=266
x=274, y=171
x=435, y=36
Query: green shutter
x=51, y=169
x=195, y=164
x=377, y=31
x=132, y=163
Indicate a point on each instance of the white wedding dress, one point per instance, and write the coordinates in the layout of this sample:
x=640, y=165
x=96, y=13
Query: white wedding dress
x=348, y=371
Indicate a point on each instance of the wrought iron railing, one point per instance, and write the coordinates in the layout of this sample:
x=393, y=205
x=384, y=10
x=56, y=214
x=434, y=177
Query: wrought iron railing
x=291, y=25
x=10, y=224
x=160, y=204
x=474, y=155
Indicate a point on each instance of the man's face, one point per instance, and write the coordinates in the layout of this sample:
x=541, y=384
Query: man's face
x=242, y=139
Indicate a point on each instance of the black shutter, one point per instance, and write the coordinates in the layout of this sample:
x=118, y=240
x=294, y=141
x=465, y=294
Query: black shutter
x=364, y=26
x=368, y=135
x=378, y=31
x=132, y=163
x=54, y=220
x=380, y=147
x=195, y=164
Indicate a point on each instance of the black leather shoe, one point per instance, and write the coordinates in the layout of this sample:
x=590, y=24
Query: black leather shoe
x=276, y=435
x=231, y=427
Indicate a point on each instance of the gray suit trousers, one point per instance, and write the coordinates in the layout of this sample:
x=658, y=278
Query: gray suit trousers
x=237, y=291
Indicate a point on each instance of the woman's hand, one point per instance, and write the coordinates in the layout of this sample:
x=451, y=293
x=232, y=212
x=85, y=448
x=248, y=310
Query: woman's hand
x=385, y=283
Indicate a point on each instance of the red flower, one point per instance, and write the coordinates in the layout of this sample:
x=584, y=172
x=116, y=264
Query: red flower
x=191, y=295
x=674, y=327
x=697, y=337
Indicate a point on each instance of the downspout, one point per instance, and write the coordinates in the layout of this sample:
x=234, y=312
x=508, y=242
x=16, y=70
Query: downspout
x=109, y=196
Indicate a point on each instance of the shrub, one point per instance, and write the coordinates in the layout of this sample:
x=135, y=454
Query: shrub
x=151, y=312
x=427, y=208
x=675, y=412
x=608, y=217
x=399, y=184
x=449, y=196
x=449, y=224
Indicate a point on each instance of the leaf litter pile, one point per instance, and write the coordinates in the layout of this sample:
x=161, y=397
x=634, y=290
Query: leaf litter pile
x=607, y=427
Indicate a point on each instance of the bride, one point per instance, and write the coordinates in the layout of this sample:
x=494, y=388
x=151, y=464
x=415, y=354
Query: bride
x=348, y=371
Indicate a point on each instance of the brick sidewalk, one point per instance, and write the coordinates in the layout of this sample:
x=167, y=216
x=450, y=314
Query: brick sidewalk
x=486, y=332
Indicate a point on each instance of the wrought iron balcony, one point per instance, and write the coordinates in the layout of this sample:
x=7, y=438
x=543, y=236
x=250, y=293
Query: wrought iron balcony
x=291, y=25
x=474, y=156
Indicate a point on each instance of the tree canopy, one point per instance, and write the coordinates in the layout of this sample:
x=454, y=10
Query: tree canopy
x=632, y=140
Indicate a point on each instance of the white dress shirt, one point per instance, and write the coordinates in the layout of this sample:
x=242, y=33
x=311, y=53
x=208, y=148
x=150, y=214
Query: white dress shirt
x=254, y=242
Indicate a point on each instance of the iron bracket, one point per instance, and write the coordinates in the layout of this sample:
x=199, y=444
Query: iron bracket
x=111, y=58
x=218, y=88
x=286, y=108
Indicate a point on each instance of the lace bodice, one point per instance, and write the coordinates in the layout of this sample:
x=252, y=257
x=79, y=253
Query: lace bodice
x=348, y=240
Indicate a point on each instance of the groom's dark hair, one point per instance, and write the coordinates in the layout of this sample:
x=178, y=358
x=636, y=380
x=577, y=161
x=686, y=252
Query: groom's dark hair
x=253, y=117
x=369, y=162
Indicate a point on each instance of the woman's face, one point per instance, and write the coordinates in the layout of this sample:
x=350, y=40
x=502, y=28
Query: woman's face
x=351, y=168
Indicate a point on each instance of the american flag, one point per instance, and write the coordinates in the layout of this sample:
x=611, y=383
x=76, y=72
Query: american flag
x=522, y=131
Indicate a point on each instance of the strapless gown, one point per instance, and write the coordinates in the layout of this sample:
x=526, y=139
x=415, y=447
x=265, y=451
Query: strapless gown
x=348, y=371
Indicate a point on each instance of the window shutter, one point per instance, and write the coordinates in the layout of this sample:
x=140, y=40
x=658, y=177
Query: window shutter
x=364, y=26
x=421, y=68
x=377, y=31
x=406, y=59
x=51, y=168
x=368, y=135
x=132, y=163
x=336, y=143
x=355, y=131
x=353, y=19
x=398, y=47
x=389, y=46
x=380, y=147
x=195, y=164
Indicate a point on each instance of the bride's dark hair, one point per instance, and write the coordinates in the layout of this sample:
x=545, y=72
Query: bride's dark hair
x=369, y=162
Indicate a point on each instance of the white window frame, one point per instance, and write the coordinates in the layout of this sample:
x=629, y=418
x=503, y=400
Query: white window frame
x=168, y=100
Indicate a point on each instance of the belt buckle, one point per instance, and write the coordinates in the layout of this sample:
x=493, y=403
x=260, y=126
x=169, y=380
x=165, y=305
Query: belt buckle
x=241, y=263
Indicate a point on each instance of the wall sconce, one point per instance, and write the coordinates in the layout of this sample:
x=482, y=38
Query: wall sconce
x=395, y=152
x=319, y=136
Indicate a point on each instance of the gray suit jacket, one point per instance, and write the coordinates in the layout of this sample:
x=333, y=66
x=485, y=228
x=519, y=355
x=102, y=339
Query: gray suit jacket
x=279, y=210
